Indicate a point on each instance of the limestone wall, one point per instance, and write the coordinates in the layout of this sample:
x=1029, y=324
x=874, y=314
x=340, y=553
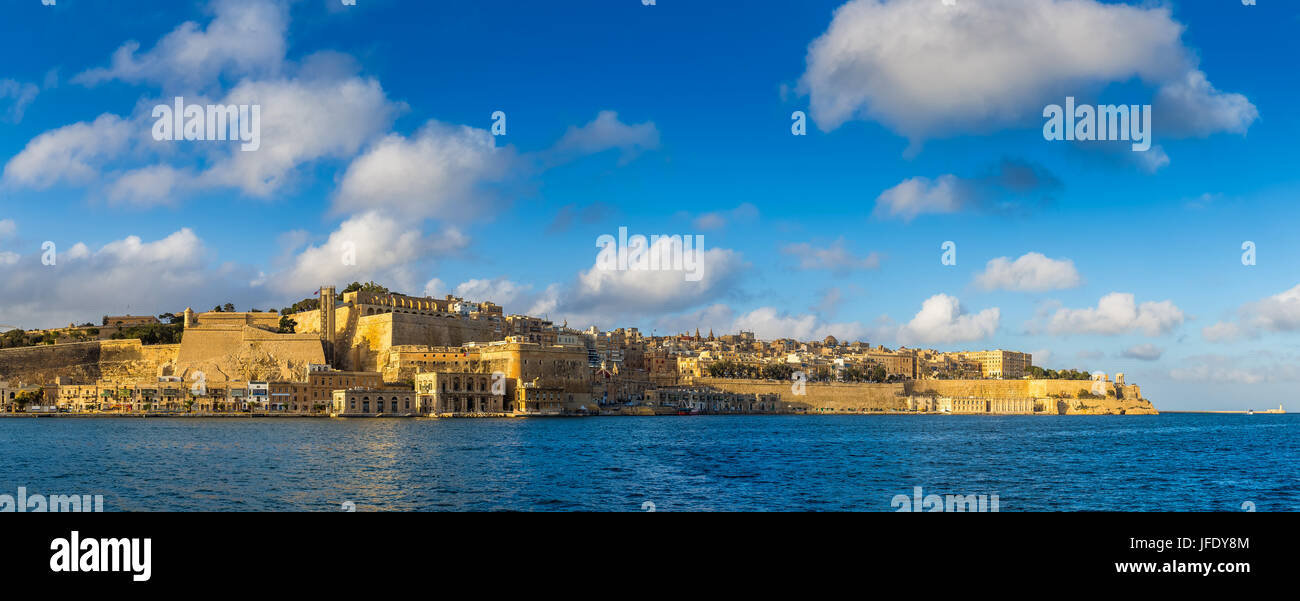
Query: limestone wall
x=246, y=354
x=85, y=362
x=866, y=397
x=1121, y=400
x=834, y=397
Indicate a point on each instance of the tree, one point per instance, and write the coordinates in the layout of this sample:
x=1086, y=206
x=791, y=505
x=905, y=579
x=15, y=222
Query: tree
x=370, y=286
x=287, y=326
x=228, y=307
x=29, y=397
x=306, y=304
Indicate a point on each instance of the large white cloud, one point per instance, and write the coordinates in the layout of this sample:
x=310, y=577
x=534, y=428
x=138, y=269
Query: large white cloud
x=1118, y=313
x=127, y=275
x=942, y=320
x=443, y=170
x=1277, y=313
x=244, y=37
x=369, y=246
x=932, y=69
x=604, y=294
x=303, y=119
x=312, y=109
x=1030, y=272
x=72, y=153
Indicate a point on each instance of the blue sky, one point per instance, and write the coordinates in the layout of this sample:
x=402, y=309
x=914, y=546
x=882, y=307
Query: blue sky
x=676, y=118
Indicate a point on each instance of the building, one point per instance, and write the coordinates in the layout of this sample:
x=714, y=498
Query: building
x=461, y=393
x=362, y=401
x=534, y=398
x=127, y=321
x=1002, y=364
x=562, y=367
x=899, y=364
x=316, y=393
x=8, y=393
x=705, y=400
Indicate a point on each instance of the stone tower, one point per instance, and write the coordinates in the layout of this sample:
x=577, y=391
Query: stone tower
x=327, y=322
x=189, y=317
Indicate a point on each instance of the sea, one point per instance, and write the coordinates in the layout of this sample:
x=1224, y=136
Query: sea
x=1167, y=462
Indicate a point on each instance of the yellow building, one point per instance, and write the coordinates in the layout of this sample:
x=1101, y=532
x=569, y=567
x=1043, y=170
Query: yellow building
x=1000, y=363
x=563, y=367
x=460, y=393
x=899, y=363
x=361, y=401
x=316, y=393
x=532, y=398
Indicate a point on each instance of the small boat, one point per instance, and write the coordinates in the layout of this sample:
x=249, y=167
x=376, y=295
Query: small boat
x=1250, y=412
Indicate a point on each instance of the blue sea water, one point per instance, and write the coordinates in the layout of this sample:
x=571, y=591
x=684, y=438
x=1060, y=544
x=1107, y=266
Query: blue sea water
x=1169, y=462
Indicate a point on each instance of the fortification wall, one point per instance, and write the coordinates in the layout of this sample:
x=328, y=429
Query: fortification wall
x=85, y=362
x=1123, y=400
x=836, y=397
x=859, y=397
x=975, y=388
x=246, y=354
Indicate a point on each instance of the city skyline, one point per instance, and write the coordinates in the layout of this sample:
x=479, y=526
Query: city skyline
x=1087, y=255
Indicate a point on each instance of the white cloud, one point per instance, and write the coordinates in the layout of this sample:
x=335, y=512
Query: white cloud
x=303, y=119
x=245, y=37
x=7, y=228
x=443, y=170
x=1191, y=106
x=942, y=320
x=926, y=69
x=313, y=109
x=1118, y=313
x=834, y=258
x=1277, y=313
x=1144, y=352
x=1256, y=368
x=1031, y=272
x=435, y=288
x=1009, y=187
x=716, y=220
x=73, y=153
x=605, y=132
x=19, y=95
x=1223, y=331
x=768, y=323
x=919, y=195
x=599, y=295
x=369, y=246
x=501, y=291
x=128, y=275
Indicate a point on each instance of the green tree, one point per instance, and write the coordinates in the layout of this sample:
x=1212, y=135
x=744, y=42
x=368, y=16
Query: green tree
x=287, y=326
x=29, y=397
